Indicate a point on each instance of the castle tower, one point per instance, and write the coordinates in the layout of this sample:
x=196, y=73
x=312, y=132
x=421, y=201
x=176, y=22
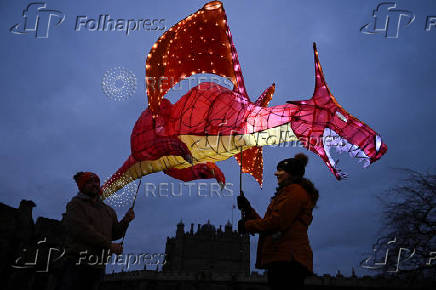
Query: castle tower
x=208, y=249
x=180, y=229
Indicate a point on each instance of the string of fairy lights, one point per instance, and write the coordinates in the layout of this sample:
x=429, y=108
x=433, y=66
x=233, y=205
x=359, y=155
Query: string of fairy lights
x=124, y=196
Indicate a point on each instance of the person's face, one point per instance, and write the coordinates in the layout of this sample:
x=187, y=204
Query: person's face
x=281, y=175
x=92, y=186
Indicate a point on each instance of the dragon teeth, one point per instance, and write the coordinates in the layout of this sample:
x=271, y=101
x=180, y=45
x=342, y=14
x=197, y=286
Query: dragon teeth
x=366, y=163
x=354, y=148
x=361, y=155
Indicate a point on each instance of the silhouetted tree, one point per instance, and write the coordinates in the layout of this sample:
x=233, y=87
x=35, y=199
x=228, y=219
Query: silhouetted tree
x=406, y=247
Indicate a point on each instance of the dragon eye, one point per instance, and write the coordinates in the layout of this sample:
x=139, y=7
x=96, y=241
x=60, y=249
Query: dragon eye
x=340, y=116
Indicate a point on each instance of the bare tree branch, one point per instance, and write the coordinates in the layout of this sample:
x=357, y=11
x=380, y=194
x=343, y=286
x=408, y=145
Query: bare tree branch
x=407, y=240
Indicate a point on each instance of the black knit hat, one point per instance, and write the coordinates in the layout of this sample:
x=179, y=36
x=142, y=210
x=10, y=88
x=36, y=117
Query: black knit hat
x=294, y=166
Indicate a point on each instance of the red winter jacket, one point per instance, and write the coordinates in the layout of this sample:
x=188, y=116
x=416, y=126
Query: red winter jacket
x=283, y=229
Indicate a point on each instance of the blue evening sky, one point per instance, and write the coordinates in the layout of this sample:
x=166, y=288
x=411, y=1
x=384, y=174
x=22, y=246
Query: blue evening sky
x=55, y=119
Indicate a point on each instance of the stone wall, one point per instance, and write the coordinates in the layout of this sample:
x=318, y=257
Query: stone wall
x=208, y=249
x=189, y=253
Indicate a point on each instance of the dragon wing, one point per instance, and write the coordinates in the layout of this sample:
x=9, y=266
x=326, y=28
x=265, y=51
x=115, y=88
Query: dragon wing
x=200, y=43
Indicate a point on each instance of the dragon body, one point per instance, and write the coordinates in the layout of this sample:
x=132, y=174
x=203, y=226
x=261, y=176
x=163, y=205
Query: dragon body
x=212, y=123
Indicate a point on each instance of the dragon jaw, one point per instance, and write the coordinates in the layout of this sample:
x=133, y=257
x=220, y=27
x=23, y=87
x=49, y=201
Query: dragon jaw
x=320, y=123
x=333, y=140
x=345, y=134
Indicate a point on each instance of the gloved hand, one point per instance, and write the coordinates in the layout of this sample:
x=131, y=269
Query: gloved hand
x=130, y=215
x=243, y=203
x=116, y=248
x=241, y=226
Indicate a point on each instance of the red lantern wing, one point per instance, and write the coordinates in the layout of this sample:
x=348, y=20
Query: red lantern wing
x=200, y=43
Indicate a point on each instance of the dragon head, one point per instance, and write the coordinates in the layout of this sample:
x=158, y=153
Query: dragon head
x=321, y=124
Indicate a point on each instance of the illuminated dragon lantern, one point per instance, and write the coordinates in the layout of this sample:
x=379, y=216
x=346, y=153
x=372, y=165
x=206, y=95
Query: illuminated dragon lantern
x=211, y=123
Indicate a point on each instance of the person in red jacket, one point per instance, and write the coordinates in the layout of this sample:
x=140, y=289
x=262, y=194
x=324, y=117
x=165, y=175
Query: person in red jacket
x=284, y=248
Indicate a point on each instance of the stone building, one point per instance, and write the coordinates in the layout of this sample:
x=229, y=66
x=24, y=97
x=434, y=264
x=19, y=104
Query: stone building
x=153, y=280
x=25, y=247
x=210, y=258
x=208, y=249
x=213, y=259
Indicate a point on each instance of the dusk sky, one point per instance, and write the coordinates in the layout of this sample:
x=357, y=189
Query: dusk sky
x=56, y=120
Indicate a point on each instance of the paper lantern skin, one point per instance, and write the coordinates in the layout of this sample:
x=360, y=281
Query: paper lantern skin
x=212, y=123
